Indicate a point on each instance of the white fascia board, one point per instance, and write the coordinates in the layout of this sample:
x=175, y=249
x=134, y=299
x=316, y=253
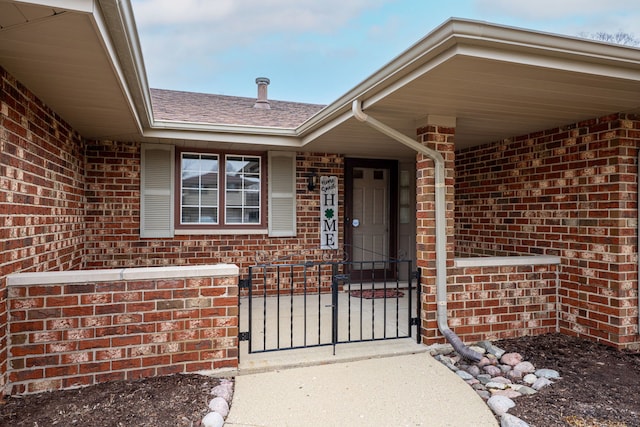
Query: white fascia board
x=83, y=6
x=627, y=70
x=207, y=127
x=116, y=24
x=547, y=42
x=205, y=135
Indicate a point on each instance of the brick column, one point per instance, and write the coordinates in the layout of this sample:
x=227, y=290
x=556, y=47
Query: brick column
x=441, y=139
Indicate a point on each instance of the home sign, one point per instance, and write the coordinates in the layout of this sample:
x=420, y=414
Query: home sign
x=328, y=212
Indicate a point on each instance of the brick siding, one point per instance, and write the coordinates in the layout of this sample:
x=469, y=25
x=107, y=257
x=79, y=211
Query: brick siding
x=72, y=334
x=499, y=302
x=113, y=218
x=570, y=192
x=41, y=192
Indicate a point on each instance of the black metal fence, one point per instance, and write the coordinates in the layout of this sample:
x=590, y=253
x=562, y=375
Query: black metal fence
x=290, y=306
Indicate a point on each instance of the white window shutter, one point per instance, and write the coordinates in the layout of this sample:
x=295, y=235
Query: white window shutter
x=282, y=194
x=156, y=190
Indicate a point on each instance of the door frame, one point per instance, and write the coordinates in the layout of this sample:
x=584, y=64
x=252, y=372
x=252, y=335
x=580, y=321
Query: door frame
x=392, y=166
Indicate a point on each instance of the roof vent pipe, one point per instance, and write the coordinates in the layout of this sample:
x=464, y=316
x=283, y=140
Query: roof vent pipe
x=441, y=248
x=262, y=102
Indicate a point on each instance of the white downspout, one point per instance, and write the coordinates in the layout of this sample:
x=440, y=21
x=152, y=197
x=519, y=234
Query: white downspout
x=440, y=224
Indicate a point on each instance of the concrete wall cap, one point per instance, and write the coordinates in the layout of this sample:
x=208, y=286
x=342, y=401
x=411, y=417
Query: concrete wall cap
x=496, y=261
x=108, y=275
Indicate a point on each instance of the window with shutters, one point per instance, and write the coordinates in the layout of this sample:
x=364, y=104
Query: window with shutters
x=220, y=190
x=186, y=191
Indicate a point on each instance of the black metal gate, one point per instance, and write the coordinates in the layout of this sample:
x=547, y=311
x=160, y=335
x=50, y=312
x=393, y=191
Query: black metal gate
x=291, y=306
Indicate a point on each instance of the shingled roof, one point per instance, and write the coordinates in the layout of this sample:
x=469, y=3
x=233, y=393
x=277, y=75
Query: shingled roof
x=194, y=107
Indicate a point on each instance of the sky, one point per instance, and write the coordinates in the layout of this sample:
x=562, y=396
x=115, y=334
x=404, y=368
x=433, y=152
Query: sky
x=314, y=51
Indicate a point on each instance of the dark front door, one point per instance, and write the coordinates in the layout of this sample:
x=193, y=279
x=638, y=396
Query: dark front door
x=371, y=198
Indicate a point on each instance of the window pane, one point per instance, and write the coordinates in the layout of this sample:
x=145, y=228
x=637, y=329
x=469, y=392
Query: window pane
x=190, y=162
x=209, y=164
x=234, y=215
x=234, y=164
x=190, y=180
x=252, y=166
x=210, y=180
x=252, y=216
x=234, y=198
x=242, y=187
x=251, y=199
x=234, y=182
x=190, y=197
x=252, y=183
x=190, y=215
x=209, y=215
x=209, y=198
x=199, y=183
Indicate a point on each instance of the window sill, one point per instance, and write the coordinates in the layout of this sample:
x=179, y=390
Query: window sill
x=220, y=231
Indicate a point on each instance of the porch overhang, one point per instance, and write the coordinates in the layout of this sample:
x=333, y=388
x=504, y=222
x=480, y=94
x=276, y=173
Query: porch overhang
x=83, y=59
x=495, y=82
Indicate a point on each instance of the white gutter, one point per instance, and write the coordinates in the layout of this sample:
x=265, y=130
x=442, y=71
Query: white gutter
x=441, y=224
x=213, y=128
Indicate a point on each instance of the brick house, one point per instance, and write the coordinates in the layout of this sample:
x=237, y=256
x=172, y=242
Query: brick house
x=504, y=161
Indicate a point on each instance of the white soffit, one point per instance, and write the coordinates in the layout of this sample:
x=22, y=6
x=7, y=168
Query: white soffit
x=64, y=59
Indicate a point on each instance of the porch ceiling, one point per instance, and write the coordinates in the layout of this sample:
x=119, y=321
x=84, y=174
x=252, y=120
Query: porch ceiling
x=82, y=58
x=64, y=55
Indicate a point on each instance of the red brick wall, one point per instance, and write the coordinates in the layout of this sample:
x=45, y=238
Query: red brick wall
x=570, y=192
x=41, y=192
x=73, y=334
x=113, y=220
x=502, y=301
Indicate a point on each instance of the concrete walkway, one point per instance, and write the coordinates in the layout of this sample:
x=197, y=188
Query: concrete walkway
x=393, y=383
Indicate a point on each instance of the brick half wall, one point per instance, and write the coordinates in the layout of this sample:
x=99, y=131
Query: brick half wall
x=570, y=192
x=70, y=329
x=492, y=298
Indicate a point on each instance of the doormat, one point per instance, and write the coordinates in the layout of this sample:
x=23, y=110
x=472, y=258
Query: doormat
x=377, y=293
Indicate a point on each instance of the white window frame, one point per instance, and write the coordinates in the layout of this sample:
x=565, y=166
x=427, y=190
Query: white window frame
x=243, y=192
x=200, y=189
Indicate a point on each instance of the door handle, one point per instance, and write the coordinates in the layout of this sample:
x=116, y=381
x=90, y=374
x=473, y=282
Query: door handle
x=355, y=223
